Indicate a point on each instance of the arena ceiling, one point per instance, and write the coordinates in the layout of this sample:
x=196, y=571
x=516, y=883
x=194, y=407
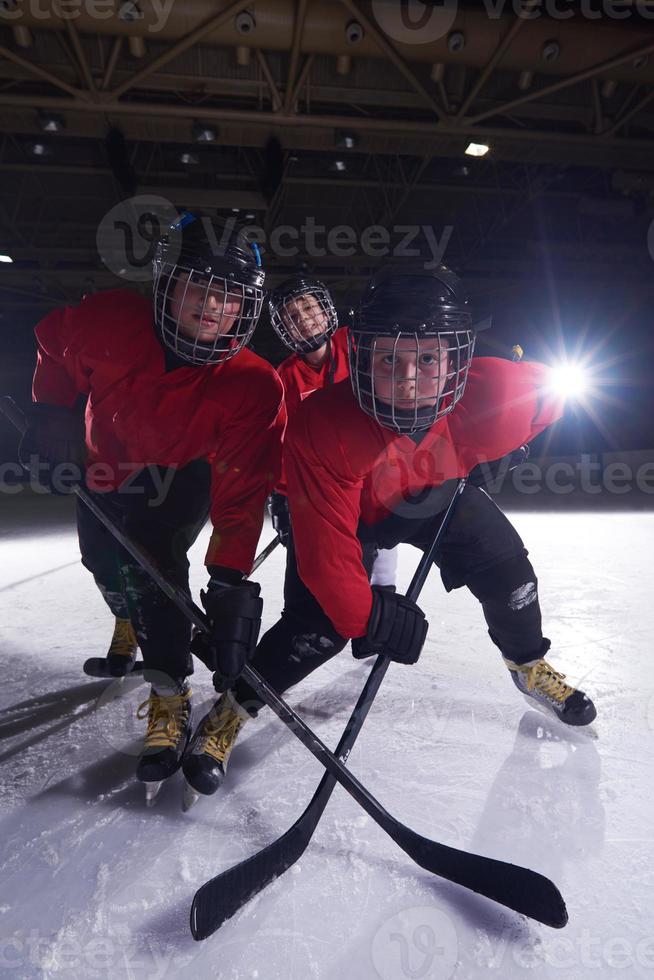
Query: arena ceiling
x=331, y=114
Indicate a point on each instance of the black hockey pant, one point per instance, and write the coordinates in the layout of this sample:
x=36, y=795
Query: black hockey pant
x=165, y=522
x=481, y=549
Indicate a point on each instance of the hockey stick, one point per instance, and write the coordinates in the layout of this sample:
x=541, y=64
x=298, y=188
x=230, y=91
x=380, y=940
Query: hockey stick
x=222, y=896
x=518, y=888
x=261, y=557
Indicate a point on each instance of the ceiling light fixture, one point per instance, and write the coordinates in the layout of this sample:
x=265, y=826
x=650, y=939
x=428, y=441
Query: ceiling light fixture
x=345, y=140
x=477, y=149
x=204, y=134
x=50, y=122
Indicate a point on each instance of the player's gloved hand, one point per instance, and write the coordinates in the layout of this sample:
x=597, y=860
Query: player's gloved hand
x=52, y=448
x=234, y=613
x=484, y=473
x=281, y=519
x=397, y=628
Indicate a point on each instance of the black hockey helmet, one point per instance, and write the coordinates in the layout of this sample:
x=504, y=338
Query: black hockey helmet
x=302, y=313
x=208, y=288
x=411, y=343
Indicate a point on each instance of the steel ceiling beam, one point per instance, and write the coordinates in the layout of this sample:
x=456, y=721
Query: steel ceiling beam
x=182, y=45
x=304, y=74
x=47, y=76
x=80, y=55
x=391, y=53
x=453, y=136
x=267, y=74
x=582, y=76
x=626, y=116
x=498, y=54
x=111, y=62
x=298, y=30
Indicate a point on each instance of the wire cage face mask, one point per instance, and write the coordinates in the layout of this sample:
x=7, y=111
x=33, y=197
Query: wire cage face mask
x=304, y=318
x=406, y=380
x=203, y=316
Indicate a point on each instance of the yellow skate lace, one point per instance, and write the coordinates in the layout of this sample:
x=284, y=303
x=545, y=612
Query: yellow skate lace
x=219, y=733
x=543, y=678
x=166, y=717
x=123, y=642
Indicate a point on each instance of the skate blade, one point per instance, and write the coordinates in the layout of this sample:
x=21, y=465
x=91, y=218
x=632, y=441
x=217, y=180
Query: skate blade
x=152, y=791
x=190, y=797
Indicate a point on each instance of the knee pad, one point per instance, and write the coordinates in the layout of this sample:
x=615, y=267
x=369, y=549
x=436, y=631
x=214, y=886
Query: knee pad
x=512, y=581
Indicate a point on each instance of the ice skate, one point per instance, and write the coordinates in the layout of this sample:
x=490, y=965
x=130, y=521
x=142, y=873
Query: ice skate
x=539, y=682
x=205, y=761
x=166, y=737
x=121, y=655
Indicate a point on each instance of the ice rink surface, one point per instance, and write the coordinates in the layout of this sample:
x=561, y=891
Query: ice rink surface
x=92, y=884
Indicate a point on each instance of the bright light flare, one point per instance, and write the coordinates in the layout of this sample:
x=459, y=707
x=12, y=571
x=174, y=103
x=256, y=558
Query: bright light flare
x=569, y=379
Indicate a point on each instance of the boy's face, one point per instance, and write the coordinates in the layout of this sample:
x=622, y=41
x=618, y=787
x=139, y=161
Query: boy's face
x=409, y=373
x=203, y=312
x=304, y=316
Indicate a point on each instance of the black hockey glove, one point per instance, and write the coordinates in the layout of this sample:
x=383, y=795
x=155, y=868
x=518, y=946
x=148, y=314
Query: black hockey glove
x=234, y=613
x=397, y=628
x=52, y=447
x=281, y=519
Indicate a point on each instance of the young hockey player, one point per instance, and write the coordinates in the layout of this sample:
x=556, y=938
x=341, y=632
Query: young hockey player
x=378, y=460
x=303, y=315
x=181, y=420
x=304, y=318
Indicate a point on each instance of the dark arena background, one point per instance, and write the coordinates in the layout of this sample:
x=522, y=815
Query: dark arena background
x=512, y=142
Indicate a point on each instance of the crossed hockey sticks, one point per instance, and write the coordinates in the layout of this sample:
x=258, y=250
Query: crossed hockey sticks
x=517, y=888
x=220, y=897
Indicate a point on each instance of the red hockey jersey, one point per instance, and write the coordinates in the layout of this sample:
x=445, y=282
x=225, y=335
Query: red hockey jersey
x=301, y=380
x=137, y=413
x=342, y=467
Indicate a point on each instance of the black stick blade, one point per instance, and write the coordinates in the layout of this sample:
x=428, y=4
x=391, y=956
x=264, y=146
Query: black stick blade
x=218, y=899
x=221, y=897
x=520, y=889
